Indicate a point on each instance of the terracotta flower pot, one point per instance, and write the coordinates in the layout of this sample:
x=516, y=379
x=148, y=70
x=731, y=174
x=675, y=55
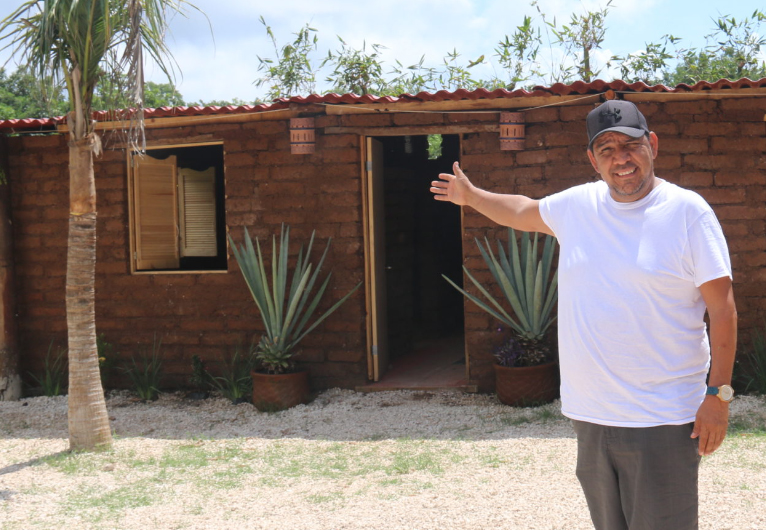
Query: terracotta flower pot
x=272, y=392
x=527, y=386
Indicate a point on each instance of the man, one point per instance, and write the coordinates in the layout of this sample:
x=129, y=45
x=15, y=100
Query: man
x=641, y=259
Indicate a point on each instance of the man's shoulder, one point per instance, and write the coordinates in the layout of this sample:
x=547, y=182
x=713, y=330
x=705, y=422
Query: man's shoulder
x=580, y=191
x=683, y=196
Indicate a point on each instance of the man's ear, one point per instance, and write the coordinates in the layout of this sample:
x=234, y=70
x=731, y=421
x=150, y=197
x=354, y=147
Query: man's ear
x=592, y=159
x=654, y=142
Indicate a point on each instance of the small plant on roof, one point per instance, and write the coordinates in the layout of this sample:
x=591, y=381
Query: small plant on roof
x=529, y=289
x=285, y=311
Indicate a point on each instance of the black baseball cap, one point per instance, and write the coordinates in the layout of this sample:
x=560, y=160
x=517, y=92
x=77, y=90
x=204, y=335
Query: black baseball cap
x=618, y=116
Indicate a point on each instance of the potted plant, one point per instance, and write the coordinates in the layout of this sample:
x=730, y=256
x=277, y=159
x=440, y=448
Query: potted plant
x=526, y=371
x=285, y=313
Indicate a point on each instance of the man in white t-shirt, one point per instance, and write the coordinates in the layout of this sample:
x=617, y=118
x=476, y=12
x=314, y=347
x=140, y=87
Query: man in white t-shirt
x=640, y=262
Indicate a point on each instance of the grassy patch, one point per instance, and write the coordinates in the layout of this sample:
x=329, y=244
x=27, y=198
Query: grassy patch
x=348, y=459
x=94, y=505
x=410, y=458
x=73, y=463
x=323, y=498
x=748, y=424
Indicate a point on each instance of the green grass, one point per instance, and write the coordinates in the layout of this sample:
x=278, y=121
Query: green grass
x=750, y=425
x=74, y=463
x=96, y=505
x=323, y=498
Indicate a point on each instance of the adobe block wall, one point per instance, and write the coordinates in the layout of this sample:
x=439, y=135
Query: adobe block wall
x=716, y=148
x=206, y=314
x=713, y=147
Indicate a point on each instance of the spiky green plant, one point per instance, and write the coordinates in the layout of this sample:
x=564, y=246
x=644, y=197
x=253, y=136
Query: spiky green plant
x=52, y=381
x=234, y=383
x=147, y=373
x=285, y=313
x=524, y=277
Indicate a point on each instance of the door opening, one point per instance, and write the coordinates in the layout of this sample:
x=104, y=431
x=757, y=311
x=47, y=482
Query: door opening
x=423, y=239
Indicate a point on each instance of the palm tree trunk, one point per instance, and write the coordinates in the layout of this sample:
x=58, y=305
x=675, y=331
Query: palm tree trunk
x=88, y=419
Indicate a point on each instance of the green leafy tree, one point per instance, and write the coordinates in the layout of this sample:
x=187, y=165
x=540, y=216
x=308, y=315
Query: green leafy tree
x=648, y=65
x=578, y=40
x=411, y=79
x=518, y=55
x=291, y=72
x=732, y=52
x=455, y=76
x=112, y=93
x=236, y=102
x=162, y=95
x=74, y=40
x=356, y=71
x=22, y=95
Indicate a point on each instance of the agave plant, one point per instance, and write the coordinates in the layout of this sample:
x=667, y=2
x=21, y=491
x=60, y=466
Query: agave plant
x=525, y=281
x=285, y=313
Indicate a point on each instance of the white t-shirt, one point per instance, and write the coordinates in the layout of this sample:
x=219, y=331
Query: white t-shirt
x=633, y=347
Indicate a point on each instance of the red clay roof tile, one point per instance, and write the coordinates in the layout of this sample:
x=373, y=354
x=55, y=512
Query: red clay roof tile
x=558, y=89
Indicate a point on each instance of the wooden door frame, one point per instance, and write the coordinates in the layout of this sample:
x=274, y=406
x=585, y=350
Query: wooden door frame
x=368, y=287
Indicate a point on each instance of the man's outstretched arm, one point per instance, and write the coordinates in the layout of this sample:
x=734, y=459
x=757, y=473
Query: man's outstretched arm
x=517, y=211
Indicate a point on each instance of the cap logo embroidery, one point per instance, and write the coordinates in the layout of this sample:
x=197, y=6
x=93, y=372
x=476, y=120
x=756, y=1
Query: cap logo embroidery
x=614, y=113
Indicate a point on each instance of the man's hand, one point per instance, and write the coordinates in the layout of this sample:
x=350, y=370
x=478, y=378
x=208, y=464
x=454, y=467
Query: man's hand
x=711, y=424
x=516, y=211
x=454, y=188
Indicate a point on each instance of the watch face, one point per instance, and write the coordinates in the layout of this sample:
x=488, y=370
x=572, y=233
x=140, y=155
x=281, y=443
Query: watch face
x=726, y=392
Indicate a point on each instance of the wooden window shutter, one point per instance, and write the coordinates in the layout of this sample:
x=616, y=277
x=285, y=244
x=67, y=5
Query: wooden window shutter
x=196, y=208
x=156, y=212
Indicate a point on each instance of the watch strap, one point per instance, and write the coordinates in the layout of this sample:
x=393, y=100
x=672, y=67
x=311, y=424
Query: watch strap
x=724, y=392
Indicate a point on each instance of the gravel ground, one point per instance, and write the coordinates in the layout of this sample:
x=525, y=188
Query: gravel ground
x=389, y=460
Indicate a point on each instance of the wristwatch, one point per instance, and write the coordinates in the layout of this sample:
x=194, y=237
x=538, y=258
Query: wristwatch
x=724, y=392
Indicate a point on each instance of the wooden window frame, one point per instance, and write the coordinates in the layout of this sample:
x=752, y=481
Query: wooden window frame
x=132, y=212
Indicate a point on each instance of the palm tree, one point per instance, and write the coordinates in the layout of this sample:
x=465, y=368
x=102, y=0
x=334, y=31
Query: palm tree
x=82, y=41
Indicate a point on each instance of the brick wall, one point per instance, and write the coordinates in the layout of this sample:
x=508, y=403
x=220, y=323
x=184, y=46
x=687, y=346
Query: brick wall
x=205, y=314
x=716, y=148
x=713, y=147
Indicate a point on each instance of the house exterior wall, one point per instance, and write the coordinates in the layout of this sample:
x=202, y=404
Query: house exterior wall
x=205, y=314
x=713, y=147
x=716, y=148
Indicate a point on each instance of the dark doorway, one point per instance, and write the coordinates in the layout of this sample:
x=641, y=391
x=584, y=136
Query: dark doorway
x=423, y=241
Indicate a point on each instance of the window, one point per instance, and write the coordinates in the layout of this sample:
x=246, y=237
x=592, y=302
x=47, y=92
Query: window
x=177, y=218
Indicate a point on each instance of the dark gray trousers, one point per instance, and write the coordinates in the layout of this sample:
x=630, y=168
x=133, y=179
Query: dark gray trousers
x=639, y=478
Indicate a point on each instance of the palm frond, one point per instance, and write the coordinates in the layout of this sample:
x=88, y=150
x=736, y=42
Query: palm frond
x=79, y=39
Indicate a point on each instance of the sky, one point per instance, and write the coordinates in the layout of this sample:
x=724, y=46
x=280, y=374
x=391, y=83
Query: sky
x=224, y=64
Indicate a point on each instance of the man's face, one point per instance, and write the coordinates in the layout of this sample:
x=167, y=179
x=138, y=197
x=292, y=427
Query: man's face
x=626, y=164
